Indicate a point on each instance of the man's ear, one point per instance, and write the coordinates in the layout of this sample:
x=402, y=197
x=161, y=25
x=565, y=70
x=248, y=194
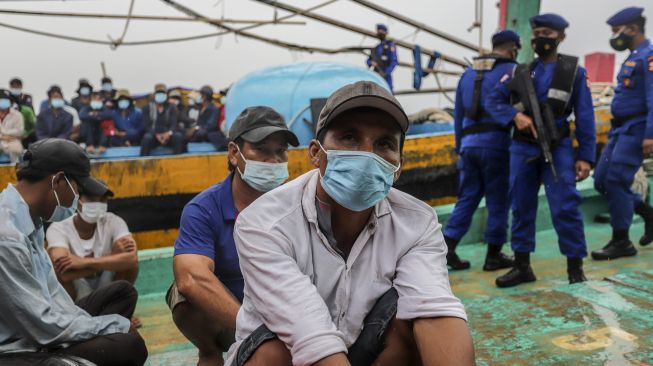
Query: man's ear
x=314, y=153
x=232, y=155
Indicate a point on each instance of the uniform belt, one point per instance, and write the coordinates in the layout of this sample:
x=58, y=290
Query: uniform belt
x=485, y=127
x=482, y=114
x=620, y=121
x=563, y=132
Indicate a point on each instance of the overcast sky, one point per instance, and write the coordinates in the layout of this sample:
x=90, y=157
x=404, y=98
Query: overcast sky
x=42, y=61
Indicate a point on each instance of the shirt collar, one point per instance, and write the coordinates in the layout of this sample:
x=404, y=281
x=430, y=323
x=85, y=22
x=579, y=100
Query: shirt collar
x=226, y=200
x=22, y=219
x=644, y=45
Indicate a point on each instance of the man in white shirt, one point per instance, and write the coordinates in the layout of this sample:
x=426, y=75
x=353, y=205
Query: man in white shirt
x=341, y=269
x=92, y=248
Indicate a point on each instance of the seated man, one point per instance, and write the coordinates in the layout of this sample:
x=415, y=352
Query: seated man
x=11, y=128
x=160, y=122
x=54, y=121
x=207, y=128
x=36, y=313
x=92, y=248
x=128, y=121
x=341, y=269
x=208, y=286
x=92, y=117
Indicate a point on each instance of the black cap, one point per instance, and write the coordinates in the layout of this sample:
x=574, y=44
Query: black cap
x=106, y=79
x=15, y=81
x=59, y=155
x=4, y=94
x=206, y=90
x=256, y=123
x=98, y=190
x=361, y=94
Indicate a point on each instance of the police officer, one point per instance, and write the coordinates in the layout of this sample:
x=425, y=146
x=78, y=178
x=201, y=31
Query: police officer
x=484, y=158
x=383, y=58
x=560, y=84
x=631, y=136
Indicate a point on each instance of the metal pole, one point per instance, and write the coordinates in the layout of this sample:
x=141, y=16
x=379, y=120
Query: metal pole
x=424, y=27
x=357, y=29
x=424, y=91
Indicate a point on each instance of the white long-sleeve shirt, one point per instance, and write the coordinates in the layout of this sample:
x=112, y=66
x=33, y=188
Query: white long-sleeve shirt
x=313, y=299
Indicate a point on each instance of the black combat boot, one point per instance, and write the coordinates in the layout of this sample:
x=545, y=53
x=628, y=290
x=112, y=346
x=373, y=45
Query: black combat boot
x=520, y=273
x=619, y=246
x=453, y=260
x=575, y=270
x=495, y=260
x=646, y=212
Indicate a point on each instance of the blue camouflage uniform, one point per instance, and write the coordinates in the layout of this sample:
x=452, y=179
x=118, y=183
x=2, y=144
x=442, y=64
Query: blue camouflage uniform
x=528, y=170
x=386, y=52
x=484, y=159
x=632, y=108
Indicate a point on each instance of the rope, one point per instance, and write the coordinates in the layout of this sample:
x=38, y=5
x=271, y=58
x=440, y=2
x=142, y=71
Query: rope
x=119, y=41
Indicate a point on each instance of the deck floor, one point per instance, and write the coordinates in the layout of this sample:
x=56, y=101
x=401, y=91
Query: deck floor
x=606, y=321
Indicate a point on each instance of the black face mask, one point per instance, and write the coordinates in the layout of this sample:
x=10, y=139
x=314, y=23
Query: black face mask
x=544, y=46
x=621, y=41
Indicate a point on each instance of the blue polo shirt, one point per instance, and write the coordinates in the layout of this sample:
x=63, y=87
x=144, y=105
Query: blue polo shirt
x=207, y=228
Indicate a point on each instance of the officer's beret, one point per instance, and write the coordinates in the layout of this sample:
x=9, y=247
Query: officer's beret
x=382, y=27
x=626, y=16
x=549, y=20
x=505, y=36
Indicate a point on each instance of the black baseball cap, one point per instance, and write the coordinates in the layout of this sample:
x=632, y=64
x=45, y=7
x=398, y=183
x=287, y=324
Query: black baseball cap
x=256, y=123
x=59, y=155
x=361, y=94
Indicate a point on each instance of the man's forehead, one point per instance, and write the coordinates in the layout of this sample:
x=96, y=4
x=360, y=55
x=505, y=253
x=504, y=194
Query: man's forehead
x=545, y=29
x=365, y=121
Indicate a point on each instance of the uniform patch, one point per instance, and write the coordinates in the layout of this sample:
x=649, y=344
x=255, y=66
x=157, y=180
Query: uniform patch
x=504, y=78
x=630, y=63
x=650, y=63
x=627, y=81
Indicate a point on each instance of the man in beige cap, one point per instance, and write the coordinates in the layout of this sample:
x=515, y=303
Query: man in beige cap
x=339, y=267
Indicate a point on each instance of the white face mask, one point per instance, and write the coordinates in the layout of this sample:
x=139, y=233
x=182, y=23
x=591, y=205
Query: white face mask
x=93, y=211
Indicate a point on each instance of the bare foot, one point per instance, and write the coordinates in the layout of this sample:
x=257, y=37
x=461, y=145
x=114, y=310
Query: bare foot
x=90, y=149
x=102, y=150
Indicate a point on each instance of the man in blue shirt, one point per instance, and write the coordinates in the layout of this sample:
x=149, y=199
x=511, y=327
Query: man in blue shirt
x=127, y=120
x=631, y=136
x=561, y=85
x=383, y=58
x=208, y=288
x=36, y=313
x=207, y=128
x=54, y=121
x=482, y=145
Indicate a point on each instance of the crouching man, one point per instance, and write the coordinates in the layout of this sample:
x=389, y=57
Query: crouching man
x=36, y=313
x=341, y=269
x=208, y=287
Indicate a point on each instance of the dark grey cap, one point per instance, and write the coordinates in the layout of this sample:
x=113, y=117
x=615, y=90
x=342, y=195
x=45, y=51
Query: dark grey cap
x=254, y=124
x=361, y=94
x=59, y=155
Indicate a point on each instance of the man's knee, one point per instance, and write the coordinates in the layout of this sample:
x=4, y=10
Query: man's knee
x=198, y=328
x=122, y=289
x=272, y=352
x=132, y=347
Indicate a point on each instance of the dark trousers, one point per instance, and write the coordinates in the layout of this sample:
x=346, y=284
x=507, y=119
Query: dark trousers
x=120, y=349
x=92, y=134
x=149, y=142
x=216, y=138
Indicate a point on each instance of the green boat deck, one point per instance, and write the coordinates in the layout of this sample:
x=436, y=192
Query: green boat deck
x=605, y=321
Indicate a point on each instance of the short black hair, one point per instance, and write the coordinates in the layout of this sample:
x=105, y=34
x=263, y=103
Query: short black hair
x=16, y=81
x=504, y=45
x=241, y=143
x=106, y=79
x=641, y=24
x=54, y=89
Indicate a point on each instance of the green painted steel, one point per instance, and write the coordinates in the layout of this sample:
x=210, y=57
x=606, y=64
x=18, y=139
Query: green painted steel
x=518, y=13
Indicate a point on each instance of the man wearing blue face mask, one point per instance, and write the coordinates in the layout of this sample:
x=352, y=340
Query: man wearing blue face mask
x=160, y=122
x=208, y=290
x=106, y=88
x=36, y=313
x=341, y=269
x=128, y=121
x=92, y=116
x=54, y=121
x=12, y=126
x=83, y=97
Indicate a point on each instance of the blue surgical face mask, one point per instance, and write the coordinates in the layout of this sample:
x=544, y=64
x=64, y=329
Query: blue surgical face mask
x=123, y=104
x=261, y=176
x=85, y=91
x=5, y=103
x=107, y=87
x=160, y=98
x=96, y=104
x=16, y=91
x=60, y=212
x=191, y=102
x=357, y=180
x=57, y=102
x=199, y=100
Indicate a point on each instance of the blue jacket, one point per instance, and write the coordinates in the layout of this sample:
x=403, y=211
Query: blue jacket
x=208, y=119
x=499, y=107
x=390, y=59
x=464, y=99
x=131, y=122
x=634, y=93
x=50, y=125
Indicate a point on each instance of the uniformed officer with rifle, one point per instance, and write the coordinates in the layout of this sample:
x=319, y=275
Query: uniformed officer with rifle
x=539, y=98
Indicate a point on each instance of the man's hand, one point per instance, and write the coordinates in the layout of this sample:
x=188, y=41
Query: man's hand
x=125, y=244
x=69, y=262
x=647, y=146
x=121, y=133
x=524, y=123
x=582, y=170
x=161, y=137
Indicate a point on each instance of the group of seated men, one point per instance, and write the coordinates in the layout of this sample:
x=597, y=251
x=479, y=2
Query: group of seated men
x=98, y=119
x=333, y=268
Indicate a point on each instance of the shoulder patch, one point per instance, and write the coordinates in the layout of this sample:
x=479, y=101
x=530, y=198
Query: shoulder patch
x=484, y=64
x=504, y=78
x=630, y=63
x=650, y=63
